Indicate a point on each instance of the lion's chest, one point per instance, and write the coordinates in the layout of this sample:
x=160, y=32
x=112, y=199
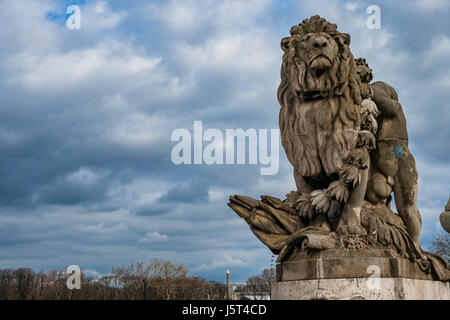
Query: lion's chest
x=317, y=134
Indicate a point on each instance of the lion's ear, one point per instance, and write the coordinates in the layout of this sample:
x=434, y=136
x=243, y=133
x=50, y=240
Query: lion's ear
x=285, y=44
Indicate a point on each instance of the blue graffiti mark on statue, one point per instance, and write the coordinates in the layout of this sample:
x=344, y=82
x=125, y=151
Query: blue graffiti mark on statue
x=398, y=151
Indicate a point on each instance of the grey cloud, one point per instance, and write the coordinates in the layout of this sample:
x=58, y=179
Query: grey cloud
x=194, y=192
x=152, y=209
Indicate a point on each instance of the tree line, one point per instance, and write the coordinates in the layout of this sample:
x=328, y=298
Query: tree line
x=154, y=280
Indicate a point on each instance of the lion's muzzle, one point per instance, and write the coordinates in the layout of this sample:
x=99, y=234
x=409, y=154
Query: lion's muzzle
x=321, y=52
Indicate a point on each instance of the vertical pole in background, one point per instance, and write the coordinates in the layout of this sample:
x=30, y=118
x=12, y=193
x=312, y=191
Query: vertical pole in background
x=272, y=269
x=272, y=275
x=228, y=285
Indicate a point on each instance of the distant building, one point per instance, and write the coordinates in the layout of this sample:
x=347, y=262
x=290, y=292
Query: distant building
x=240, y=292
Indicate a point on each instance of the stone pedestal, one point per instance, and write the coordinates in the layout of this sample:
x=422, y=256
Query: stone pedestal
x=367, y=274
x=361, y=289
x=343, y=263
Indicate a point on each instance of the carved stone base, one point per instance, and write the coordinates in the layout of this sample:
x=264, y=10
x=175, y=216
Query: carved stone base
x=361, y=289
x=316, y=252
x=344, y=263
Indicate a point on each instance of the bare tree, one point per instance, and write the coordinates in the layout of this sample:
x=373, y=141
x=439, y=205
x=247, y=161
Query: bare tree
x=164, y=277
x=441, y=245
x=129, y=282
x=258, y=286
x=6, y=284
x=192, y=288
x=56, y=283
x=23, y=280
x=217, y=291
x=142, y=274
x=40, y=288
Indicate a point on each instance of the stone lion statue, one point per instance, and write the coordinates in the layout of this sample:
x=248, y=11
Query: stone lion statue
x=320, y=123
x=347, y=141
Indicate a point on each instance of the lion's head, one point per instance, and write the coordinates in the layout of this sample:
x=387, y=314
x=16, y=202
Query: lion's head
x=317, y=62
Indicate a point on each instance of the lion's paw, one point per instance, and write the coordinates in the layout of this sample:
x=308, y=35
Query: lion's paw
x=304, y=208
x=350, y=174
x=368, y=106
x=366, y=139
x=291, y=199
x=320, y=201
x=360, y=158
x=338, y=190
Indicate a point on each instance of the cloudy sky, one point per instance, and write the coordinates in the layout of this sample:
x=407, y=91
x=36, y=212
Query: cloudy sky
x=86, y=176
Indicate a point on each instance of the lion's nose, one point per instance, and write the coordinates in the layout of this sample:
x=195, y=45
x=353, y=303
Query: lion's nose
x=319, y=42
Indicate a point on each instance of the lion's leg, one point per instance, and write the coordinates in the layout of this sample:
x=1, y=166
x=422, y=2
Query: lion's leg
x=302, y=185
x=350, y=221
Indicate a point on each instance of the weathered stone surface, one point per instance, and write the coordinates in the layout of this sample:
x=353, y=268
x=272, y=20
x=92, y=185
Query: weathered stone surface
x=361, y=289
x=343, y=263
